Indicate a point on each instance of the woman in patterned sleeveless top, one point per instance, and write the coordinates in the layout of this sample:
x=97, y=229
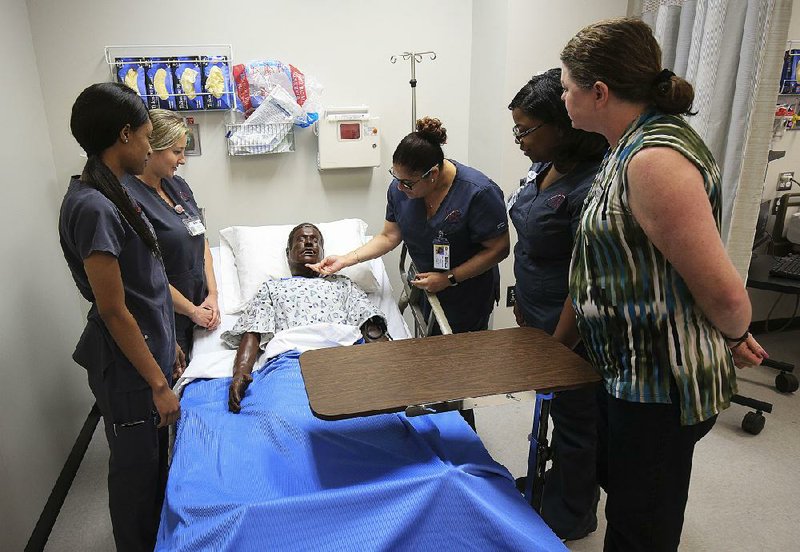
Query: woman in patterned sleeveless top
x=660, y=307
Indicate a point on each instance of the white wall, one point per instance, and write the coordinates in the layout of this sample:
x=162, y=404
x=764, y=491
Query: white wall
x=488, y=117
x=345, y=45
x=44, y=398
x=513, y=40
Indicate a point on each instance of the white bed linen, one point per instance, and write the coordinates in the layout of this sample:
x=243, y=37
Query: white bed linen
x=217, y=364
x=211, y=358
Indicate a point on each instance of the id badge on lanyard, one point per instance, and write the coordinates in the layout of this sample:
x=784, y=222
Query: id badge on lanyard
x=512, y=199
x=194, y=225
x=441, y=252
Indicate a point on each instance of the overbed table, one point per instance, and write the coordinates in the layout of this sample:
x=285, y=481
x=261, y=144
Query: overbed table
x=448, y=372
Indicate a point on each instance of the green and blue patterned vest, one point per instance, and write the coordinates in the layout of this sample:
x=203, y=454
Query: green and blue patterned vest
x=636, y=316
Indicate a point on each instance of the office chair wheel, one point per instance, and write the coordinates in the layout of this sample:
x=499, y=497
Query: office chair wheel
x=753, y=422
x=786, y=382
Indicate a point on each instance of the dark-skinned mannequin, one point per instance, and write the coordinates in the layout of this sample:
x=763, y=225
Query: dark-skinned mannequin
x=305, y=247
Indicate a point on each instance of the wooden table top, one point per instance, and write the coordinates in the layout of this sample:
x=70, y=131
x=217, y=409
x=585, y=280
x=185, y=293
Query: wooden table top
x=373, y=378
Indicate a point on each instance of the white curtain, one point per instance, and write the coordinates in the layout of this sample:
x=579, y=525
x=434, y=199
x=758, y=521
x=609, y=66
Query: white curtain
x=718, y=46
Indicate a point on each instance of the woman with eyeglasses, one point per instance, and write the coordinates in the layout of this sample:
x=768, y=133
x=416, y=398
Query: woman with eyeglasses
x=545, y=211
x=453, y=220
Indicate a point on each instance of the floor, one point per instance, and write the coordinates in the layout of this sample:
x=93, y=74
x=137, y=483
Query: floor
x=744, y=495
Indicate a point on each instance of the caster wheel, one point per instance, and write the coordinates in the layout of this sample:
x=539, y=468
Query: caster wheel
x=753, y=422
x=786, y=382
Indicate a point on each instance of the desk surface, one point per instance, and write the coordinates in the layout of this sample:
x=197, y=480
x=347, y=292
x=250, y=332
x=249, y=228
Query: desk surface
x=758, y=277
x=387, y=377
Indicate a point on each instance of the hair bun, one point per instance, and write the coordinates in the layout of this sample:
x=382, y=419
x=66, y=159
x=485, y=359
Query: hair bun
x=431, y=129
x=674, y=96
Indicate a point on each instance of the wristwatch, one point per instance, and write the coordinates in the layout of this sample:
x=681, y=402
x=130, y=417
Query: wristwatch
x=452, y=279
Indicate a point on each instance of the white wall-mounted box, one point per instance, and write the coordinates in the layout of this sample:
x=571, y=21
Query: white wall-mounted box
x=348, y=137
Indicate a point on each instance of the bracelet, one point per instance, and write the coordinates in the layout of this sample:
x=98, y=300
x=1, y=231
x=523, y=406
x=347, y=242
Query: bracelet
x=736, y=340
x=355, y=254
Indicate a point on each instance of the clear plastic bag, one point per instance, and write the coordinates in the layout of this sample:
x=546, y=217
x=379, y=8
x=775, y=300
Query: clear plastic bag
x=282, y=86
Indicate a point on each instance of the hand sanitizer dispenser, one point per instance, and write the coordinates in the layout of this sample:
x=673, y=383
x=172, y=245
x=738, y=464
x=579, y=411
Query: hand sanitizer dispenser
x=348, y=138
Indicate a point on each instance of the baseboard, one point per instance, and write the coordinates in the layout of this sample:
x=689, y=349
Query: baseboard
x=760, y=326
x=60, y=490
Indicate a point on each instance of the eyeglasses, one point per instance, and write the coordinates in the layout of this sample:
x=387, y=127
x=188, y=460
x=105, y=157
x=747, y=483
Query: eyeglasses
x=519, y=135
x=409, y=184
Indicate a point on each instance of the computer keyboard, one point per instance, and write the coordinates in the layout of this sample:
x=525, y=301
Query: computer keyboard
x=786, y=267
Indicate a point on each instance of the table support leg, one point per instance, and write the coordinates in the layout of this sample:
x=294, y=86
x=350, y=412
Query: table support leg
x=537, y=455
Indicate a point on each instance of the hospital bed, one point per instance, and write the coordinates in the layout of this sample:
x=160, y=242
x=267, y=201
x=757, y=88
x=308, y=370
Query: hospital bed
x=274, y=477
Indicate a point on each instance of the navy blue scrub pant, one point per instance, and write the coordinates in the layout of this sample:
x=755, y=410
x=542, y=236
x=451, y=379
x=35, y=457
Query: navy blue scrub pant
x=570, y=493
x=644, y=464
x=137, y=468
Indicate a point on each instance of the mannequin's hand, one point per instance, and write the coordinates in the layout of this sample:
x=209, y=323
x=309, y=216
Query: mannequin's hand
x=236, y=392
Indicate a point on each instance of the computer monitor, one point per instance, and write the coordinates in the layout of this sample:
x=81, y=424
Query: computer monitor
x=762, y=236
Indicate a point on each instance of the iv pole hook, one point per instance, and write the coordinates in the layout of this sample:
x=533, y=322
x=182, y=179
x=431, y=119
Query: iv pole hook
x=415, y=57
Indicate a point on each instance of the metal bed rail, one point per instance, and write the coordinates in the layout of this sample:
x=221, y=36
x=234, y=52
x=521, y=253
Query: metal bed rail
x=415, y=299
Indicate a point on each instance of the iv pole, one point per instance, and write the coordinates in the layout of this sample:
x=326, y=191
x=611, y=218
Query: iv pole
x=415, y=57
x=436, y=308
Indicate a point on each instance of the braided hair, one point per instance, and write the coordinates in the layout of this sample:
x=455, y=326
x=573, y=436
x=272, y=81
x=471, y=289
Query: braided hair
x=99, y=113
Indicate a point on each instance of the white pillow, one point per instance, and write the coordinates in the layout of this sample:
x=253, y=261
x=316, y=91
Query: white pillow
x=258, y=253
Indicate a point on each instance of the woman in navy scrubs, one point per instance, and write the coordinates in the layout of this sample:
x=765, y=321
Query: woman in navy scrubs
x=453, y=220
x=169, y=203
x=545, y=211
x=128, y=346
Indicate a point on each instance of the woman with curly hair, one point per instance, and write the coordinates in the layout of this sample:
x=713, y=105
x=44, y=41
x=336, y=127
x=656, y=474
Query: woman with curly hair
x=453, y=220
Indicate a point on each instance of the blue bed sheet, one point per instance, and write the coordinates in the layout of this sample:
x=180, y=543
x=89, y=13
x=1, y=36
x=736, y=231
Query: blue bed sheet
x=274, y=477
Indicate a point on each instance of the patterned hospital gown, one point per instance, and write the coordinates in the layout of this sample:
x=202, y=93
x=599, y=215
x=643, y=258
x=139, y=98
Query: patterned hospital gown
x=291, y=302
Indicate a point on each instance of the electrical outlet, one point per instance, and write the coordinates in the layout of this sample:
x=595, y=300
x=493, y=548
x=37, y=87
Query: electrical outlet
x=511, y=297
x=785, y=181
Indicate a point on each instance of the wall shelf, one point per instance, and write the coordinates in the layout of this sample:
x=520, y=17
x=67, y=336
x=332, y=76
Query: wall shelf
x=259, y=138
x=166, y=90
